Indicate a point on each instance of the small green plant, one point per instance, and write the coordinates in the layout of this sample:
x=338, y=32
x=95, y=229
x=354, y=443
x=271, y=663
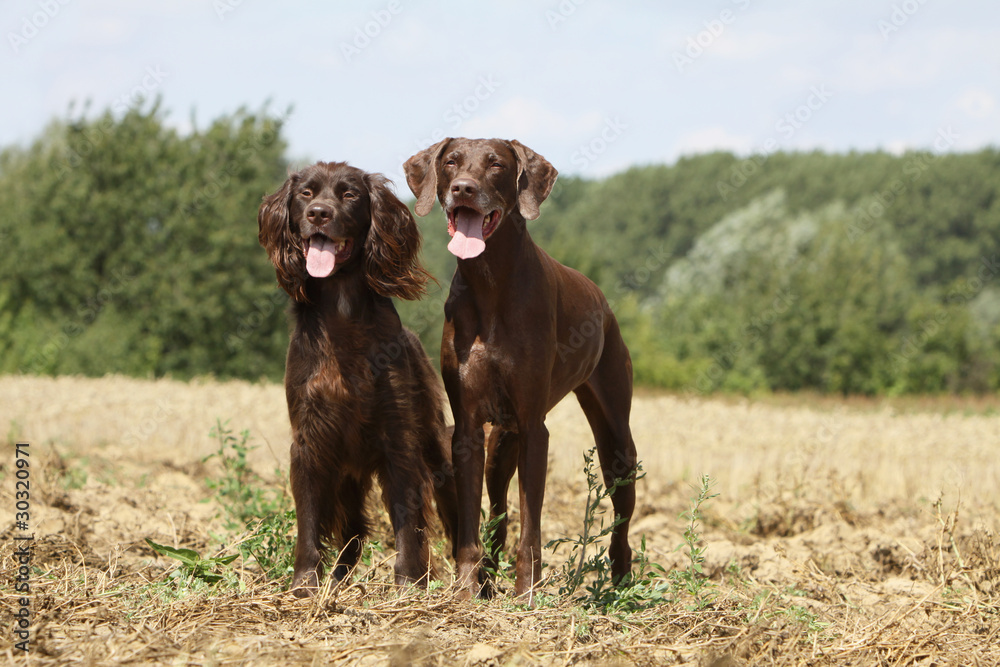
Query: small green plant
x=70, y=472
x=734, y=573
x=497, y=564
x=243, y=494
x=253, y=507
x=649, y=584
x=192, y=564
x=271, y=544
x=771, y=604
x=692, y=579
x=593, y=573
x=807, y=618
x=372, y=552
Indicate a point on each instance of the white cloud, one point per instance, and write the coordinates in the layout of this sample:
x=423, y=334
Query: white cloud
x=525, y=117
x=797, y=75
x=734, y=44
x=923, y=59
x=897, y=147
x=556, y=89
x=106, y=32
x=714, y=138
x=869, y=68
x=977, y=103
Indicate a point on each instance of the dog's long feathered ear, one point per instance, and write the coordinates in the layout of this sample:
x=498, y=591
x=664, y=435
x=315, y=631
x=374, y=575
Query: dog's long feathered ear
x=421, y=176
x=391, y=264
x=535, y=177
x=283, y=247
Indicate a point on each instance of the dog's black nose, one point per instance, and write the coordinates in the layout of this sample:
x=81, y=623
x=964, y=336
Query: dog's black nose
x=319, y=214
x=464, y=187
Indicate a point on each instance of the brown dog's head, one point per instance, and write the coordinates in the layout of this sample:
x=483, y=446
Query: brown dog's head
x=480, y=183
x=332, y=219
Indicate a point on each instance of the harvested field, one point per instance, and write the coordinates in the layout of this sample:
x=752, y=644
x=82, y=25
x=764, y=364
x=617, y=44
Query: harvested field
x=843, y=533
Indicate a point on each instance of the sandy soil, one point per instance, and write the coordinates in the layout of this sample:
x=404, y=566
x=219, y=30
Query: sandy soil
x=843, y=533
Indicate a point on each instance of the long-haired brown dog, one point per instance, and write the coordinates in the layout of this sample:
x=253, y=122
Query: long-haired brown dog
x=363, y=400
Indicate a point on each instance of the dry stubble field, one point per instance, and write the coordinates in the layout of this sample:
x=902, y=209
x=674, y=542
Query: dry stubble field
x=843, y=533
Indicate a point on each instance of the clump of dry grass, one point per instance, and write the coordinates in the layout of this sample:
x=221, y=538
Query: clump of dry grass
x=799, y=568
x=126, y=611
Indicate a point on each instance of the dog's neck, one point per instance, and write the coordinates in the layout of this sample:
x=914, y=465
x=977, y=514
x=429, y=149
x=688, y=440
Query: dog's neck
x=342, y=300
x=490, y=273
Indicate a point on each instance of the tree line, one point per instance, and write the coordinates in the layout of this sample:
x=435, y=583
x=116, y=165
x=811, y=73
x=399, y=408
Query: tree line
x=131, y=247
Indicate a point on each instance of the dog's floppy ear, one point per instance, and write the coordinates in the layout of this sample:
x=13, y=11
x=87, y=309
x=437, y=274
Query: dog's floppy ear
x=391, y=265
x=421, y=176
x=283, y=247
x=535, y=177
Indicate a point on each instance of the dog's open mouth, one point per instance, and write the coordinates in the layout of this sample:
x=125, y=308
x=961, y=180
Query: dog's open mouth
x=323, y=254
x=469, y=230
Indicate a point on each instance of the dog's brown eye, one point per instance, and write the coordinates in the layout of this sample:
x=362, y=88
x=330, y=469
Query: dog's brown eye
x=306, y=193
x=350, y=195
x=449, y=163
x=497, y=165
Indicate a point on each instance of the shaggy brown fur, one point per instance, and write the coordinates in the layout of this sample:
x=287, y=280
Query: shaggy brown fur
x=363, y=399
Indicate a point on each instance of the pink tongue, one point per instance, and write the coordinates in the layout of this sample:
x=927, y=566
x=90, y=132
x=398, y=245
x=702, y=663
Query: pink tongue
x=320, y=258
x=468, y=240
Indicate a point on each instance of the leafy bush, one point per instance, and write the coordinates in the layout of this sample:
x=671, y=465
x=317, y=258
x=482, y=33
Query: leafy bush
x=131, y=247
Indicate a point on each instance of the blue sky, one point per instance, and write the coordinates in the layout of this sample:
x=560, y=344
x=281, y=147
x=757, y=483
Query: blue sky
x=594, y=86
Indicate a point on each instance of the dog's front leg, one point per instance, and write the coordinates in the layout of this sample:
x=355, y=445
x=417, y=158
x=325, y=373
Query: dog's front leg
x=468, y=459
x=306, y=493
x=531, y=471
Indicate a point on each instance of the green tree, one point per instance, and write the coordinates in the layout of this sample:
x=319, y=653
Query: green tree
x=132, y=248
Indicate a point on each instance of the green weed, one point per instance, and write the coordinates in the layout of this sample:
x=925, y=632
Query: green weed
x=192, y=564
x=497, y=564
x=253, y=507
x=693, y=580
x=588, y=578
x=243, y=494
x=258, y=518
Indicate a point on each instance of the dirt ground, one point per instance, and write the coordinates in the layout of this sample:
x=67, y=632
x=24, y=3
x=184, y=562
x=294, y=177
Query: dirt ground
x=843, y=533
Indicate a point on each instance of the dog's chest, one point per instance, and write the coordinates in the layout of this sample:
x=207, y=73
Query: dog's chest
x=484, y=372
x=478, y=361
x=335, y=399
